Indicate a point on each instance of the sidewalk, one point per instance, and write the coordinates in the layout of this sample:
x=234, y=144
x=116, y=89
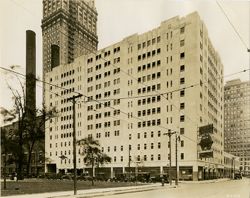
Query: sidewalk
x=109, y=191
x=92, y=192
x=205, y=181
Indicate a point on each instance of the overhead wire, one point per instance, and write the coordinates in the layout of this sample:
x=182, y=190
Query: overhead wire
x=123, y=72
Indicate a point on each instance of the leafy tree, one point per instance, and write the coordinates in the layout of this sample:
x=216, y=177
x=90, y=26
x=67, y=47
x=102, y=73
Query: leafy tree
x=30, y=130
x=93, y=156
x=34, y=131
x=8, y=145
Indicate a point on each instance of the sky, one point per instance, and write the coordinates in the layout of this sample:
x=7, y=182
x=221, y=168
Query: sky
x=118, y=19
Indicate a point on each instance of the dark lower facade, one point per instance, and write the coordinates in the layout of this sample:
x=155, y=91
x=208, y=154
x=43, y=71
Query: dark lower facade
x=185, y=173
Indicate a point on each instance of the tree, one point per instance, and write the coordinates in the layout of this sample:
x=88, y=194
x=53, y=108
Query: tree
x=30, y=130
x=35, y=131
x=7, y=143
x=93, y=156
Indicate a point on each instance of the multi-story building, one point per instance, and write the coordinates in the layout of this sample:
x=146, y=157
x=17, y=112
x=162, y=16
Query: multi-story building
x=237, y=121
x=69, y=30
x=136, y=90
x=37, y=162
x=231, y=165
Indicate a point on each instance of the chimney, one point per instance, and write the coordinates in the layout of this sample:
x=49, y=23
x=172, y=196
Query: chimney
x=30, y=73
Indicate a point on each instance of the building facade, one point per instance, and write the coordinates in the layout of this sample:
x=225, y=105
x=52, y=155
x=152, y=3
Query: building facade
x=69, y=30
x=37, y=156
x=237, y=122
x=231, y=165
x=135, y=91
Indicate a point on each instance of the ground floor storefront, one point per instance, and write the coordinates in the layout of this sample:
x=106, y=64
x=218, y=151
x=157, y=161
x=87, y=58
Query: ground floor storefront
x=184, y=172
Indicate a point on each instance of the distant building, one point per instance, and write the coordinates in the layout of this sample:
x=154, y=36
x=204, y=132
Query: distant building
x=69, y=31
x=237, y=122
x=37, y=158
x=231, y=165
x=168, y=78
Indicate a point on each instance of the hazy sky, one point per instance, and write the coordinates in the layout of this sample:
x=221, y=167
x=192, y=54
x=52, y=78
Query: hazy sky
x=120, y=18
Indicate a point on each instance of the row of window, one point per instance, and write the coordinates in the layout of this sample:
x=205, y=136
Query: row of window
x=149, y=111
x=149, y=66
x=69, y=73
x=149, y=89
x=106, y=124
x=68, y=82
x=148, y=43
x=148, y=123
x=107, y=53
x=149, y=54
x=138, y=158
x=149, y=77
x=67, y=91
x=149, y=100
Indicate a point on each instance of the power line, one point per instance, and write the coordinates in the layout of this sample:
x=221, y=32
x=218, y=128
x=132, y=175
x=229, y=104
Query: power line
x=235, y=30
x=98, y=101
x=158, y=93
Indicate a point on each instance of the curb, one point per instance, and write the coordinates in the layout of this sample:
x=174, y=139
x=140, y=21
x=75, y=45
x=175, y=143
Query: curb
x=112, y=191
x=204, y=181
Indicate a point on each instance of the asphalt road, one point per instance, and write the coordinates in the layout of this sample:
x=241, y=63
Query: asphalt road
x=222, y=189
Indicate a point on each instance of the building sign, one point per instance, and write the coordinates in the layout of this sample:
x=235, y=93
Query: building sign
x=206, y=154
x=206, y=141
x=206, y=129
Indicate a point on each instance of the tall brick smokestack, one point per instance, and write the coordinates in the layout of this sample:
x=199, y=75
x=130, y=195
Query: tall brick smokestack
x=31, y=73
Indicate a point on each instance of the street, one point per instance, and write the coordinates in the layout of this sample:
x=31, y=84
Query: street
x=221, y=189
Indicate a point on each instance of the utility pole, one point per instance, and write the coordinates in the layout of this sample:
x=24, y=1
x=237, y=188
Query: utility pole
x=73, y=98
x=129, y=148
x=169, y=133
x=177, y=138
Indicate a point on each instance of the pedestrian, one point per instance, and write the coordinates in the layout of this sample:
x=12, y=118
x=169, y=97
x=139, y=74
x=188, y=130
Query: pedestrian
x=162, y=181
x=15, y=176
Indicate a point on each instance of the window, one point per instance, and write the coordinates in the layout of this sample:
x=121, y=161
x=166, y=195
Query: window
x=158, y=39
x=182, y=156
x=139, y=46
x=182, y=81
x=182, y=131
x=182, y=105
x=182, y=55
x=182, y=30
x=182, y=42
x=182, y=93
x=182, y=68
x=182, y=118
x=182, y=143
x=159, y=156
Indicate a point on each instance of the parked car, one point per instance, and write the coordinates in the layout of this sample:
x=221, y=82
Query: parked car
x=237, y=176
x=68, y=176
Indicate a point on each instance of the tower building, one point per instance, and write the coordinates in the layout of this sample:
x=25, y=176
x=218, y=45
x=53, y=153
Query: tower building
x=69, y=31
x=237, y=122
x=169, y=78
